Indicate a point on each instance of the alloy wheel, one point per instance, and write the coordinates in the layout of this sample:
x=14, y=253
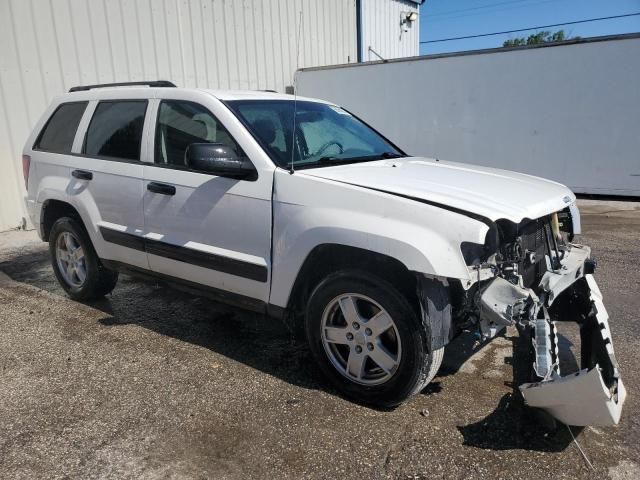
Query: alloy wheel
x=361, y=339
x=71, y=260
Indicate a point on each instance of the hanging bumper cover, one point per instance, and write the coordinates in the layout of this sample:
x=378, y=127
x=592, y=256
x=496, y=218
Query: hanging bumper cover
x=595, y=394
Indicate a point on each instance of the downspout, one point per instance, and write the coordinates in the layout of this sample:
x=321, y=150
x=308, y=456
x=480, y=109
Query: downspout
x=359, y=29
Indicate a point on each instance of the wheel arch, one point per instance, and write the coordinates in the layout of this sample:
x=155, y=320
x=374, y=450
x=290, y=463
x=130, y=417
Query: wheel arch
x=52, y=210
x=327, y=258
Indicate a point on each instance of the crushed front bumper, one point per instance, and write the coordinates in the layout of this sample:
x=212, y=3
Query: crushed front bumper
x=595, y=394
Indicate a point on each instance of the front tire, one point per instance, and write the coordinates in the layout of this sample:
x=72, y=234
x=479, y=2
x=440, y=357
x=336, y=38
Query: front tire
x=368, y=340
x=75, y=262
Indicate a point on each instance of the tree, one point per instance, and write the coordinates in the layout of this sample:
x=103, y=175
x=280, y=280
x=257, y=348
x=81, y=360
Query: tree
x=545, y=36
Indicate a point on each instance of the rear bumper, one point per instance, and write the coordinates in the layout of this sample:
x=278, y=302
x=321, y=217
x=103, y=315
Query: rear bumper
x=595, y=394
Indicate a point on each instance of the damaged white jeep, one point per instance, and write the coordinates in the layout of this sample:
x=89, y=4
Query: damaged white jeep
x=298, y=209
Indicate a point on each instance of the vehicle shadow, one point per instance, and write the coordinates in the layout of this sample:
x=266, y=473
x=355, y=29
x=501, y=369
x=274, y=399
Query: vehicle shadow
x=263, y=343
x=513, y=425
x=266, y=344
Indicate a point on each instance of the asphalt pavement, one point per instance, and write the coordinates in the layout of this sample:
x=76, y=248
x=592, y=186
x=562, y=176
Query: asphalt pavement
x=154, y=383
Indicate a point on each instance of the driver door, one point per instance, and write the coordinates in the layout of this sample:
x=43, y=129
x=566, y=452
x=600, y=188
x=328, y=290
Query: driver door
x=207, y=229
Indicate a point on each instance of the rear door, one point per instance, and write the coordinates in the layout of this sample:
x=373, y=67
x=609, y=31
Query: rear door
x=106, y=177
x=207, y=229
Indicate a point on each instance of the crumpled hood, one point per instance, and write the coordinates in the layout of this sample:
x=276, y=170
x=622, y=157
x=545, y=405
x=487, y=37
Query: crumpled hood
x=488, y=192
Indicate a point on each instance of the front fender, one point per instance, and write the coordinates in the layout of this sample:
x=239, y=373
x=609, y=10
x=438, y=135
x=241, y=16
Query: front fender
x=309, y=211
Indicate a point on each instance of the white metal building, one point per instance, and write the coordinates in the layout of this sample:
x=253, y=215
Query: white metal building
x=388, y=29
x=48, y=46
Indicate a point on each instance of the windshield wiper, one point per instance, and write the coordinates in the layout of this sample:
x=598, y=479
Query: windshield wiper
x=383, y=155
x=386, y=155
x=325, y=160
x=333, y=160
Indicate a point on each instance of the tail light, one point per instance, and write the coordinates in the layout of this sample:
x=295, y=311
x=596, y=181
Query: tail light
x=26, y=163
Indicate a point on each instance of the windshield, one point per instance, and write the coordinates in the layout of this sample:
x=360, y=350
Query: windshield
x=325, y=134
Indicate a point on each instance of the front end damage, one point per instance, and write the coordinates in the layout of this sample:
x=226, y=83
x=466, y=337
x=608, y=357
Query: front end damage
x=530, y=276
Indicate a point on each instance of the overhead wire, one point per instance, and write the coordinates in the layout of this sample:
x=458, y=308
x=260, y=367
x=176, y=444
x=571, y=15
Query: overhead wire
x=464, y=37
x=494, y=11
x=475, y=10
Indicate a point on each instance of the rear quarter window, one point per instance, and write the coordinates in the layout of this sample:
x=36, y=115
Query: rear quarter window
x=60, y=130
x=115, y=130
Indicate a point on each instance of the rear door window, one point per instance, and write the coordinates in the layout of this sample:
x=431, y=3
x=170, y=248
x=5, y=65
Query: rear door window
x=115, y=130
x=60, y=130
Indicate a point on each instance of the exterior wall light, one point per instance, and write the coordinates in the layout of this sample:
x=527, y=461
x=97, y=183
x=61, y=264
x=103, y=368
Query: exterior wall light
x=406, y=19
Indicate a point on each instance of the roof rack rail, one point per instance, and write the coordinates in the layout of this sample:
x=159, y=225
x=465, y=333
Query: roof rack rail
x=153, y=83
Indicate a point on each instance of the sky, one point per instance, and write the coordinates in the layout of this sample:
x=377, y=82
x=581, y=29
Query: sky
x=454, y=18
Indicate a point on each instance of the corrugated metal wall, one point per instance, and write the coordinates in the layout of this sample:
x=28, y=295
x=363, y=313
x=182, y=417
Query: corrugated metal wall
x=382, y=32
x=47, y=46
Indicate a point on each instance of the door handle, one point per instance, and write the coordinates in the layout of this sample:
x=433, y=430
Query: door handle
x=82, y=175
x=161, y=188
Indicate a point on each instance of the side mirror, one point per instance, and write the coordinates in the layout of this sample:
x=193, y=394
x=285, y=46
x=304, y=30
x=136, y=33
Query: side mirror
x=220, y=160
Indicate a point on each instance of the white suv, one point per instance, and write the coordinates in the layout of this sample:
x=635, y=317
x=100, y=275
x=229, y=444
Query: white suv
x=293, y=206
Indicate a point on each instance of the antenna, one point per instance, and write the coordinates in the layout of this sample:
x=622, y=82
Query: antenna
x=295, y=93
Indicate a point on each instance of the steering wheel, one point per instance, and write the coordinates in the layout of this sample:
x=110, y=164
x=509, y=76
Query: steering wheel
x=327, y=145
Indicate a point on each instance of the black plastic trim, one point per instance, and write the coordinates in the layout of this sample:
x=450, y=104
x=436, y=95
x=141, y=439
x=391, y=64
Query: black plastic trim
x=152, y=83
x=211, y=261
x=208, y=260
x=435, y=309
x=82, y=174
x=161, y=188
x=123, y=239
x=346, y=161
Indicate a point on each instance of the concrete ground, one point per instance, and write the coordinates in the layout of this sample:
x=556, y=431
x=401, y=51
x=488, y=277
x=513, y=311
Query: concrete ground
x=153, y=383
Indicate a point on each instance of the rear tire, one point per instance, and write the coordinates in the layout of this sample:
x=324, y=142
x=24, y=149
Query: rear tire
x=75, y=262
x=378, y=351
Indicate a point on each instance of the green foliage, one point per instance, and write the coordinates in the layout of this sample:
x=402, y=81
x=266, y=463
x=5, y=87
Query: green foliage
x=545, y=36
